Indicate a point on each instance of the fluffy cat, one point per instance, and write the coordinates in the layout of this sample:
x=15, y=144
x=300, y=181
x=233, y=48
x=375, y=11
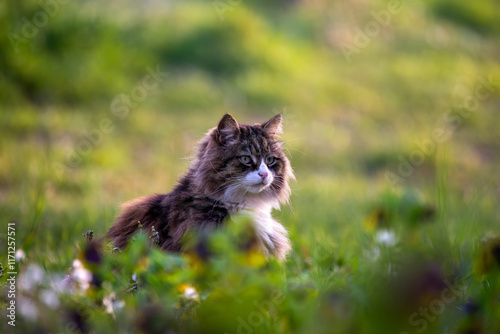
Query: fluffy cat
x=239, y=168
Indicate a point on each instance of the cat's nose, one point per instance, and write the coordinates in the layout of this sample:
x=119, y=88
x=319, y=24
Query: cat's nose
x=263, y=174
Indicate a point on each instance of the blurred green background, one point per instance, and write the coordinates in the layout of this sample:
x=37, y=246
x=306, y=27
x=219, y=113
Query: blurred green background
x=391, y=119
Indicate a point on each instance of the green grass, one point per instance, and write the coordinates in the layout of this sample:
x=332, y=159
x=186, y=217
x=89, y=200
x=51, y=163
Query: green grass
x=367, y=253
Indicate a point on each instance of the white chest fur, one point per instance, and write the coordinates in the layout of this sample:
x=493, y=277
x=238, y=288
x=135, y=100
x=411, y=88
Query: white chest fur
x=271, y=234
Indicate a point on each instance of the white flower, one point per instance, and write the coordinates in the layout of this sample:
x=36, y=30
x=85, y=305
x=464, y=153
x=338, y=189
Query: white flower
x=111, y=303
x=190, y=293
x=108, y=303
x=20, y=255
x=386, y=238
x=27, y=308
x=31, y=277
x=49, y=298
x=64, y=284
x=81, y=275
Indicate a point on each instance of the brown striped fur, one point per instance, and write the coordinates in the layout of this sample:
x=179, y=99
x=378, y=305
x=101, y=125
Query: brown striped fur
x=221, y=182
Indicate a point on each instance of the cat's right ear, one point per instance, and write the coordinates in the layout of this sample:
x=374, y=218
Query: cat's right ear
x=227, y=129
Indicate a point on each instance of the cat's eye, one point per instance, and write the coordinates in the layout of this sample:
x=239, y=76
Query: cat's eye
x=245, y=159
x=270, y=160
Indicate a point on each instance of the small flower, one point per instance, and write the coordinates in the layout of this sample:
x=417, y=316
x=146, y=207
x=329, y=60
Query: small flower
x=386, y=238
x=189, y=292
x=65, y=285
x=111, y=303
x=20, y=255
x=62, y=284
x=31, y=277
x=27, y=308
x=81, y=275
x=49, y=298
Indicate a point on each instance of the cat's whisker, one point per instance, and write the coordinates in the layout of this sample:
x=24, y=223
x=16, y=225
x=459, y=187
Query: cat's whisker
x=215, y=170
x=218, y=200
x=222, y=187
x=227, y=185
x=290, y=140
x=289, y=147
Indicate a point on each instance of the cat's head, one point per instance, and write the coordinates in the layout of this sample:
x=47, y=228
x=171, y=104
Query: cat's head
x=239, y=161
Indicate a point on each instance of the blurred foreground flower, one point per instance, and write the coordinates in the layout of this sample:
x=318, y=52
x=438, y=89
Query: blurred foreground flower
x=91, y=255
x=188, y=291
x=386, y=238
x=28, y=308
x=489, y=255
x=377, y=219
x=20, y=255
x=422, y=286
x=111, y=304
x=49, y=298
x=81, y=275
x=30, y=278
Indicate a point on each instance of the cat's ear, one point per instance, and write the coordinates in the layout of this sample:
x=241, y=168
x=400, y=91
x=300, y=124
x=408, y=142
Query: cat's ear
x=274, y=125
x=227, y=129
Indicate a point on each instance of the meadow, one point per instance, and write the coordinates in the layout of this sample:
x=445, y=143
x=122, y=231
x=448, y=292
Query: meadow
x=391, y=124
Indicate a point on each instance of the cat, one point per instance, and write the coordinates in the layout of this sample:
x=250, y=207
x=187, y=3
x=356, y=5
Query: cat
x=238, y=168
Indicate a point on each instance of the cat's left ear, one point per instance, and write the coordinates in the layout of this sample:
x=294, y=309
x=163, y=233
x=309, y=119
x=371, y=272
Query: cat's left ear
x=274, y=125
